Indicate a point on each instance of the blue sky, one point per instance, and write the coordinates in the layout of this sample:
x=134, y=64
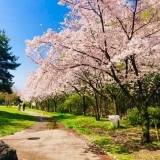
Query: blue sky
x=21, y=20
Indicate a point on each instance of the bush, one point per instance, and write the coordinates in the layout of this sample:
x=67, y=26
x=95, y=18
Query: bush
x=61, y=108
x=74, y=102
x=154, y=114
x=133, y=117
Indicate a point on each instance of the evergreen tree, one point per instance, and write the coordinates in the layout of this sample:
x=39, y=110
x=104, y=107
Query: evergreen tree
x=7, y=62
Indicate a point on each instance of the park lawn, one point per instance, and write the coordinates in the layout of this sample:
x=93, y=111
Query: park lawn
x=12, y=120
x=123, y=143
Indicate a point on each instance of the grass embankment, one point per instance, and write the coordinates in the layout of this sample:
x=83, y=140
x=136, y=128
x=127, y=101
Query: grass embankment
x=12, y=120
x=124, y=143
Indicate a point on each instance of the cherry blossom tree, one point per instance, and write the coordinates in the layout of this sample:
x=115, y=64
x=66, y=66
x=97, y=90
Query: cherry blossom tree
x=117, y=37
x=121, y=38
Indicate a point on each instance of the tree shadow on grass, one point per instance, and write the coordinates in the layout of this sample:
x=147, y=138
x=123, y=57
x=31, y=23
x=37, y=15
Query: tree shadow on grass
x=7, y=118
x=124, y=140
x=128, y=141
x=10, y=116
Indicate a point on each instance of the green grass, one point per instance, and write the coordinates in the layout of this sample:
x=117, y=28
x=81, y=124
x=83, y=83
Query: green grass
x=124, y=142
x=12, y=120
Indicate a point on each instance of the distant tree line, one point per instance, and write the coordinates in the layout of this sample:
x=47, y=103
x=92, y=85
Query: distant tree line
x=9, y=99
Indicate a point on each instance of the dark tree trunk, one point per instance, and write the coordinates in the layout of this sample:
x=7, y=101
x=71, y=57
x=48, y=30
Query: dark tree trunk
x=48, y=107
x=97, y=109
x=30, y=104
x=145, y=124
x=55, y=105
x=84, y=105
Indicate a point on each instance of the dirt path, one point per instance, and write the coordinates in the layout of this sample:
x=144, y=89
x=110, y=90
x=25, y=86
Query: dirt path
x=46, y=141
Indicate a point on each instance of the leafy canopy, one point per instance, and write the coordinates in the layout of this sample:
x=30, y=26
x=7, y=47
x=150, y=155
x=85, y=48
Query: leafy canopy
x=7, y=62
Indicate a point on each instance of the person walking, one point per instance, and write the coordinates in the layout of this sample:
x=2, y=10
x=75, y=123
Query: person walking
x=24, y=105
x=19, y=106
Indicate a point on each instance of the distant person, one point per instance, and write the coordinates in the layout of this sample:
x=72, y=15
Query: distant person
x=24, y=105
x=19, y=106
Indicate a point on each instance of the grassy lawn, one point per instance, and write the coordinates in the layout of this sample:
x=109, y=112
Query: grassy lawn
x=124, y=143
x=12, y=120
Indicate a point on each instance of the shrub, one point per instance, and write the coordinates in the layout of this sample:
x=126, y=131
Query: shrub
x=61, y=108
x=74, y=102
x=133, y=117
x=154, y=113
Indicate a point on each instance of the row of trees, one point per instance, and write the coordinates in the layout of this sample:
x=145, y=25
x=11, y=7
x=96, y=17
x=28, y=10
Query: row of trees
x=9, y=99
x=106, y=49
x=80, y=104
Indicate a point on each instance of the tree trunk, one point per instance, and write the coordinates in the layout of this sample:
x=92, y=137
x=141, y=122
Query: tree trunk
x=97, y=109
x=48, y=107
x=70, y=109
x=30, y=104
x=36, y=104
x=157, y=132
x=55, y=105
x=84, y=105
x=145, y=124
x=115, y=107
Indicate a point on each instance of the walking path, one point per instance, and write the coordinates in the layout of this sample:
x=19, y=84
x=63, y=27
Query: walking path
x=39, y=142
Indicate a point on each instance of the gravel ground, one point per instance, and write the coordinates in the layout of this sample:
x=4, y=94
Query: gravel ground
x=45, y=142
